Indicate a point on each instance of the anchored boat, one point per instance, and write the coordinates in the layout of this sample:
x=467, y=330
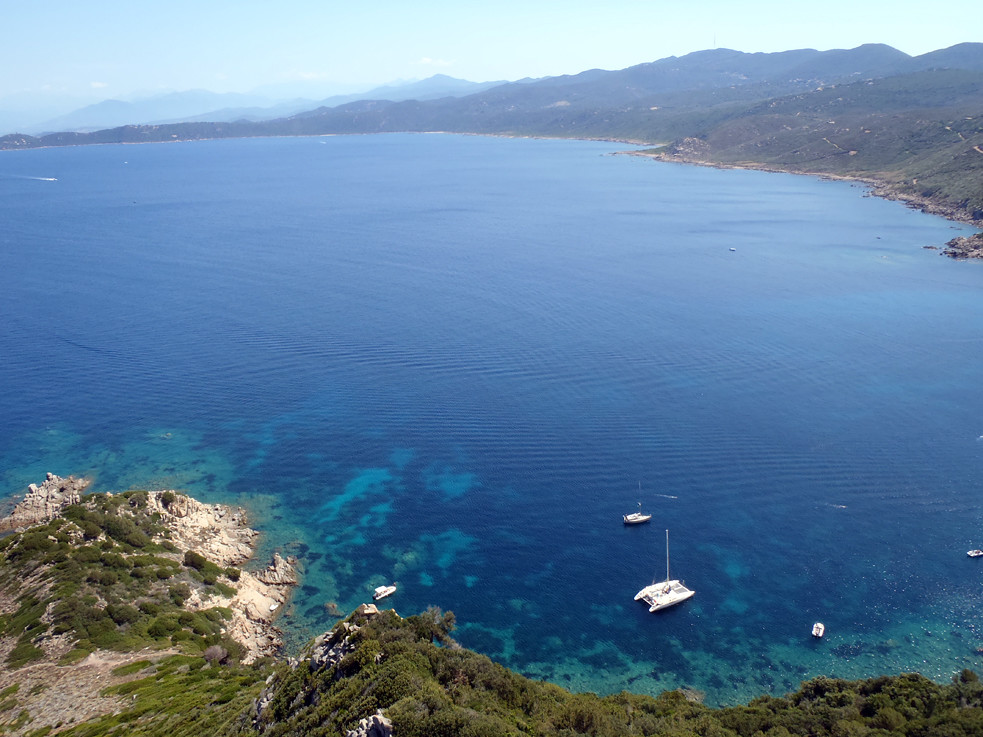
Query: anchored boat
x=664, y=594
x=381, y=592
x=636, y=518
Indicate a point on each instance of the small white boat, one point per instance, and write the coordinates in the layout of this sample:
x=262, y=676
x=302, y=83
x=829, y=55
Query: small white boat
x=974, y=553
x=818, y=629
x=664, y=594
x=381, y=592
x=636, y=518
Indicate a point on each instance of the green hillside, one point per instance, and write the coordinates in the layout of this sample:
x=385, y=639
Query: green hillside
x=909, y=125
x=410, y=674
x=920, y=135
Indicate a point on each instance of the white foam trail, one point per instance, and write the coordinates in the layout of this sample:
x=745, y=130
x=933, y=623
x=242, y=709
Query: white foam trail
x=36, y=179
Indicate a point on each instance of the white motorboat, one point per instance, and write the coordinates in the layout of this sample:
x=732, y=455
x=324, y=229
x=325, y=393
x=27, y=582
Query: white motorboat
x=381, y=592
x=664, y=594
x=818, y=629
x=974, y=553
x=636, y=518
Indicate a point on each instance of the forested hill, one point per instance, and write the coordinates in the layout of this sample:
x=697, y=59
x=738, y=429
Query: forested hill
x=912, y=124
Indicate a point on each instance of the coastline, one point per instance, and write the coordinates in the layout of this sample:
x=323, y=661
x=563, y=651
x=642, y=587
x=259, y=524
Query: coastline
x=961, y=248
x=221, y=533
x=876, y=187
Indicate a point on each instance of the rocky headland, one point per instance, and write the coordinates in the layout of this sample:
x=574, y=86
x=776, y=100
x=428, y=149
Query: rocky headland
x=218, y=532
x=965, y=247
x=196, y=551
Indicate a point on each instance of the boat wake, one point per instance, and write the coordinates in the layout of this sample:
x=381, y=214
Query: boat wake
x=36, y=179
x=667, y=496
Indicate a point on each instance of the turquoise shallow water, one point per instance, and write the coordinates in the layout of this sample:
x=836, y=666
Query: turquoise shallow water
x=448, y=362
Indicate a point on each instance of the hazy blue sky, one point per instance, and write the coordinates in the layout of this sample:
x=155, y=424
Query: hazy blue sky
x=106, y=48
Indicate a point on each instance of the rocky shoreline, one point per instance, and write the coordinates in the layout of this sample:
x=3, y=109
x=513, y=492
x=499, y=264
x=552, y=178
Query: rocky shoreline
x=958, y=248
x=220, y=533
x=965, y=247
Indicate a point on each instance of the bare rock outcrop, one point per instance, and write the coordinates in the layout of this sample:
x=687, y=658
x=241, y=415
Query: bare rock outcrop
x=222, y=535
x=965, y=247
x=377, y=725
x=279, y=573
x=218, y=532
x=328, y=649
x=254, y=609
x=45, y=502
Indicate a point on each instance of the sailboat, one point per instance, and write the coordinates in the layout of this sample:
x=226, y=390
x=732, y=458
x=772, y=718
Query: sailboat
x=663, y=594
x=636, y=518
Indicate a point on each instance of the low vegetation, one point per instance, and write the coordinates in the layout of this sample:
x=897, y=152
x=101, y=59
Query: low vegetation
x=104, y=575
x=180, y=696
x=921, y=135
x=428, y=687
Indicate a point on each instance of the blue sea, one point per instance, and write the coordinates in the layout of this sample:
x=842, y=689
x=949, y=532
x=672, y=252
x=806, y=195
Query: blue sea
x=453, y=363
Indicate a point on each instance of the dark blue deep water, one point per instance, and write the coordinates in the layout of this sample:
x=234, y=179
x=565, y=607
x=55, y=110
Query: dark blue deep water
x=449, y=361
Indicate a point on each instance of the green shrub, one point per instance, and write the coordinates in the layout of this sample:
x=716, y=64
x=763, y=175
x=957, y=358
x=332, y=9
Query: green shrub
x=90, y=530
x=193, y=559
x=164, y=626
x=23, y=653
x=225, y=590
x=179, y=593
x=123, y=614
x=151, y=608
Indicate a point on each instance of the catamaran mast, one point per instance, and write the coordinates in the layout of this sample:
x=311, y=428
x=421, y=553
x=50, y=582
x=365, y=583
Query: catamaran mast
x=667, y=555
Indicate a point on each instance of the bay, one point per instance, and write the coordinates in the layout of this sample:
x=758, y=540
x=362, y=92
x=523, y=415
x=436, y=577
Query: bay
x=449, y=361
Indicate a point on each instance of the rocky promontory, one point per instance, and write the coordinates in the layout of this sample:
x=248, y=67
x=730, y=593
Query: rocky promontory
x=91, y=584
x=44, y=502
x=965, y=247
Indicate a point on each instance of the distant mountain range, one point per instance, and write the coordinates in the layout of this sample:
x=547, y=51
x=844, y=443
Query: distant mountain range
x=912, y=124
x=202, y=105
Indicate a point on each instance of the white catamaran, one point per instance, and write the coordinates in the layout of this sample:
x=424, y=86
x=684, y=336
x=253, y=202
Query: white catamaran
x=663, y=594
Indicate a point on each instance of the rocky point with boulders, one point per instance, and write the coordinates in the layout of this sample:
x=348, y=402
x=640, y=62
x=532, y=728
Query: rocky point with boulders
x=220, y=534
x=965, y=247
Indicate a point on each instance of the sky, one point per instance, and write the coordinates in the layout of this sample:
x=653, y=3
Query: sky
x=102, y=49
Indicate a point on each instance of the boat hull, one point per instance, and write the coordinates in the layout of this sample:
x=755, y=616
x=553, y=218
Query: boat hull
x=664, y=594
x=383, y=591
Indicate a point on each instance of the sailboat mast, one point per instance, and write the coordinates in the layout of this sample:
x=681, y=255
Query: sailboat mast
x=667, y=555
